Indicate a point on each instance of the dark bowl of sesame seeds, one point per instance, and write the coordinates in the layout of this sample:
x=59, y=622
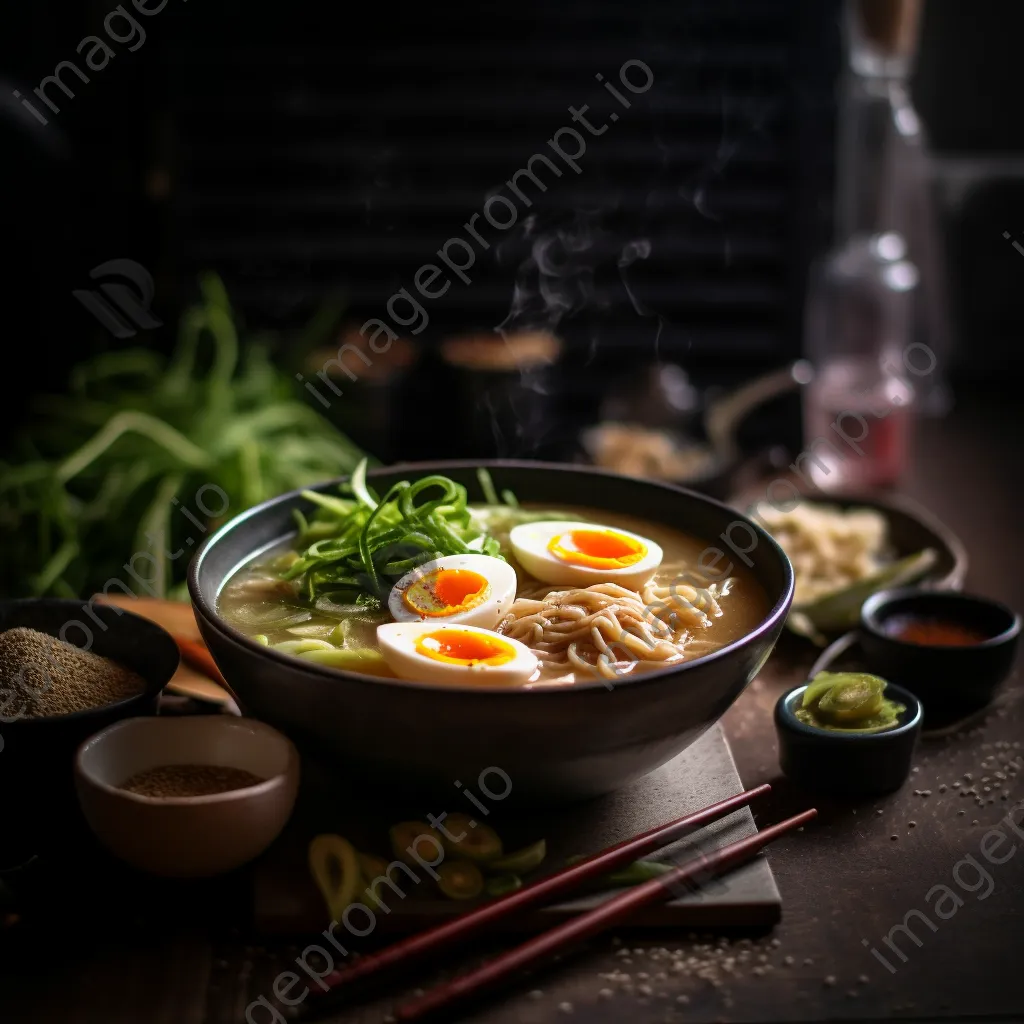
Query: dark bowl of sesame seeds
x=68, y=669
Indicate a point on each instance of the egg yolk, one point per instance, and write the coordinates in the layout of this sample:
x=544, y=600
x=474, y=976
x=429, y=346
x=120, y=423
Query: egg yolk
x=459, y=647
x=445, y=592
x=597, y=549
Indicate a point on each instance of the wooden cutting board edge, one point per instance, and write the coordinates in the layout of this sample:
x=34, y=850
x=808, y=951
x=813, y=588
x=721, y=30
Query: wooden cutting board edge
x=178, y=619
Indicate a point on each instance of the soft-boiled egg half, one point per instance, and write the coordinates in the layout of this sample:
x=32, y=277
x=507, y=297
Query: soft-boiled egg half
x=473, y=589
x=444, y=653
x=583, y=554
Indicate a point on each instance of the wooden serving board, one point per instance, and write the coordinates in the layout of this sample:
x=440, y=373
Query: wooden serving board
x=178, y=619
x=287, y=902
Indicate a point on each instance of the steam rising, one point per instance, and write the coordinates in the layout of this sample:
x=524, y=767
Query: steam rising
x=631, y=252
x=556, y=280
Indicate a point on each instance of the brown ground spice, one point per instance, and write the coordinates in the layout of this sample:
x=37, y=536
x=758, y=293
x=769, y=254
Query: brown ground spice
x=189, y=780
x=41, y=676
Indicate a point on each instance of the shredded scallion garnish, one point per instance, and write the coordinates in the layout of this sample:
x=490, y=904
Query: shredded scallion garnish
x=369, y=543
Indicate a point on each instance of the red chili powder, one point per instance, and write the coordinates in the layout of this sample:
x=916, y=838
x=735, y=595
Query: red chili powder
x=934, y=633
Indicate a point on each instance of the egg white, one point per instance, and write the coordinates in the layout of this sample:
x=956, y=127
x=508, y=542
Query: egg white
x=530, y=541
x=397, y=642
x=501, y=579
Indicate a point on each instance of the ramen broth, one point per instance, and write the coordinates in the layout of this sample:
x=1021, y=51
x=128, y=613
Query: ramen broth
x=257, y=605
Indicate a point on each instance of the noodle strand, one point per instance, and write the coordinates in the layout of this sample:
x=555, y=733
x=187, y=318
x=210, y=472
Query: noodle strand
x=606, y=629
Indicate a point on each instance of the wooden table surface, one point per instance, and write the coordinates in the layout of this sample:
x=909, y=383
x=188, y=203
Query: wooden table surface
x=845, y=881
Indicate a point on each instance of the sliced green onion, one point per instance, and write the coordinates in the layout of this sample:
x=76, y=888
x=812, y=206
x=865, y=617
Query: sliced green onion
x=365, y=659
x=338, y=602
x=359, y=488
x=395, y=492
x=408, y=564
x=301, y=646
x=321, y=631
x=521, y=861
x=339, y=506
x=273, y=617
x=502, y=884
x=338, y=634
x=367, y=543
x=320, y=529
x=487, y=486
x=639, y=871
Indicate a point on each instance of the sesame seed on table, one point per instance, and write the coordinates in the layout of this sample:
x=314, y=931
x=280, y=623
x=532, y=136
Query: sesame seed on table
x=184, y=954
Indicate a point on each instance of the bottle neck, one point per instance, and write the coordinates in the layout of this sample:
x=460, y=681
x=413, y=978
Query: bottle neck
x=866, y=184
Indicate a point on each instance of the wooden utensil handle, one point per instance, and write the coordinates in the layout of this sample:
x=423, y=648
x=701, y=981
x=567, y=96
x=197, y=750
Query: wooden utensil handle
x=199, y=657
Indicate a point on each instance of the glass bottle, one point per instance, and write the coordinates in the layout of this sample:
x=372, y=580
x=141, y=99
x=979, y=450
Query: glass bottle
x=860, y=315
x=861, y=398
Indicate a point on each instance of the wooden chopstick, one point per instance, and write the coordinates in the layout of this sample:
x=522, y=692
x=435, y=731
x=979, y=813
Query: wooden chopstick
x=597, y=920
x=199, y=657
x=475, y=921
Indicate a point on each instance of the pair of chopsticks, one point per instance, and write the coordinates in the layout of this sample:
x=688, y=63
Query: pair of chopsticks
x=611, y=912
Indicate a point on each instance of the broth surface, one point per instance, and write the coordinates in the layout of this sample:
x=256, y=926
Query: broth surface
x=251, y=594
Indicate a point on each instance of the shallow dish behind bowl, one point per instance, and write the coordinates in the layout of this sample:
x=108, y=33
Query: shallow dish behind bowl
x=911, y=529
x=552, y=744
x=36, y=757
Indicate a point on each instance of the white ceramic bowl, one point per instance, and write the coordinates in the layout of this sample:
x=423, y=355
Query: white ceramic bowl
x=187, y=837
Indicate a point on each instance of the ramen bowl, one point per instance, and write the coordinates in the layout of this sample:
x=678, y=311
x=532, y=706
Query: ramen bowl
x=544, y=745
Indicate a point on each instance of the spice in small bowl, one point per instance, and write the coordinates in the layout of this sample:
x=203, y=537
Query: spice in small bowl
x=953, y=650
x=171, y=780
x=41, y=676
x=933, y=632
x=187, y=797
x=68, y=669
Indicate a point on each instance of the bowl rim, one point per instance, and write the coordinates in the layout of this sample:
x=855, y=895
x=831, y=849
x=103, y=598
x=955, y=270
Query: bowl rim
x=150, y=691
x=774, y=618
x=784, y=717
x=871, y=622
x=275, y=781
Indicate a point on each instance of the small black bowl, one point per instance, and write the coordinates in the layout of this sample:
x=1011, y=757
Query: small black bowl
x=37, y=754
x=946, y=678
x=847, y=763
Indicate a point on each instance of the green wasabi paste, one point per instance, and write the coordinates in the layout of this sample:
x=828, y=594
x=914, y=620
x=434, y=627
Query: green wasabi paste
x=848, y=702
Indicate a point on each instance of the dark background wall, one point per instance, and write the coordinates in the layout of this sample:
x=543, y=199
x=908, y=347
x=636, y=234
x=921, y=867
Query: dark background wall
x=299, y=151
x=969, y=93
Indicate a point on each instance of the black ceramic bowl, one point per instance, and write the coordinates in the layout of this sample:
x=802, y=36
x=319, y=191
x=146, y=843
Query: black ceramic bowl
x=37, y=754
x=845, y=763
x=554, y=744
x=946, y=678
